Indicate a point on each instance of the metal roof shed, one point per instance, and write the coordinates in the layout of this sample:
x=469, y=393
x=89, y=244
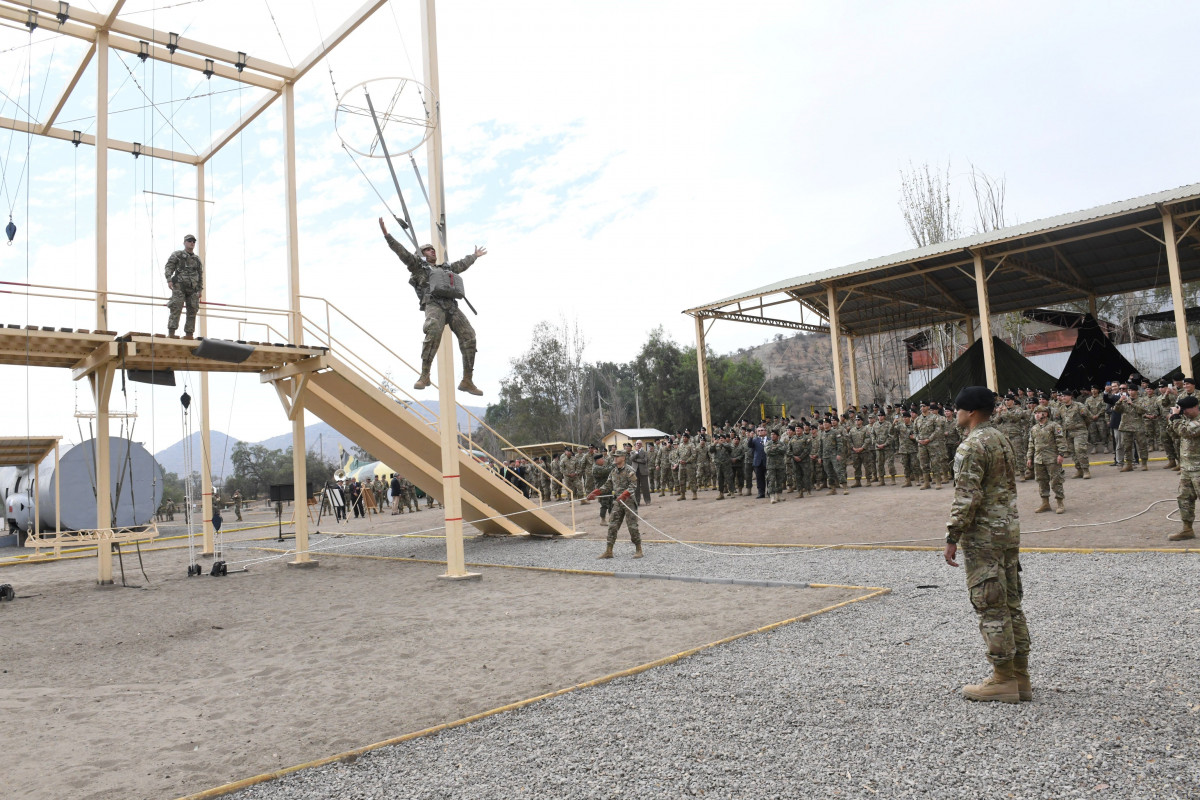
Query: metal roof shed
x=1110, y=249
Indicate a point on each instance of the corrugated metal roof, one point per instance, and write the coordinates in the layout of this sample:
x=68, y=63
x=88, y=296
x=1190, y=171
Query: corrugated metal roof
x=1061, y=221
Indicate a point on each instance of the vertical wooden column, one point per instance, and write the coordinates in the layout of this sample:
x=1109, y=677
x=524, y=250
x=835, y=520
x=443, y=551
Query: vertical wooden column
x=206, y=483
x=835, y=346
x=1181, y=332
x=295, y=329
x=1092, y=306
x=850, y=351
x=702, y=368
x=102, y=185
x=969, y=329
x=447, y=404
x=101, y=382
x=985, y=322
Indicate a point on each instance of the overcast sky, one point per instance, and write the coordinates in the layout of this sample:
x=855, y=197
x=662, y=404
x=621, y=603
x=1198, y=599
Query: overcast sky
x=621, y=161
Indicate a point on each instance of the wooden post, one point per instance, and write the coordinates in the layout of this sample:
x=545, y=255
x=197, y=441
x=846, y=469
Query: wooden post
x=101, y=382
x=835, y=346
x=102, y=188
x=295, y=327
x=1181, y=332
x=853, y=371
x=206, y=483
x=985, y=322
x=57, y=497
x=969, y=329
x=702, y=368
x=447, y=404
x=1092, y=306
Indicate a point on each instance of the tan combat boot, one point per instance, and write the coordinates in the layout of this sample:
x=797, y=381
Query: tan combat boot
x=720, y=495
x=907, y=482
x=1078, y=473
x=832, y=492
x=1001, y=687
x=1045, y=506
x=467, y=385
x=773, y=500
x=638, y=552
x=607, y=553
x=857, y=483
x=693, y=494
x=1021, y=672
x=1058, y=509
x=1087, y=474
x=1185, y=533
x=1145, y=466
x=423, y=381
x=925, y=485
x=939, y=482
x=1127, y=468
x=682, y=495
x=1170, y=464
x=893, y=481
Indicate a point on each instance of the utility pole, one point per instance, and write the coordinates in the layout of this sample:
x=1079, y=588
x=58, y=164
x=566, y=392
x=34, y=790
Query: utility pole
x=637, y=404
x=600, y=408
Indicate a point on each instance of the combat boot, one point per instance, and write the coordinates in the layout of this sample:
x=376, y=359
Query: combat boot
x=693, y=494
x=1045, y=506
x=907, y=482
x=171, y=334
x=1021, y=673
x=603, y=511
x=773, y=500
x=1127, y=468
x=637, y=553
x=832, y=492
x=939, y=482
x=607, y=553
x=893, y=481
x=857, y=483
x=682, y=495
x=1087, y=474
x=1185, y=533
x=1170, y=464
x=720, y=495
x=1145, y=466
x=1000, y=687
x=1058, y=507
x=926, y=485
x=1078, y=473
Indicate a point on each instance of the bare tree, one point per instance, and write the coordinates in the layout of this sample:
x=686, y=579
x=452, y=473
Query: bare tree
x=989, y=200
x=930, y=212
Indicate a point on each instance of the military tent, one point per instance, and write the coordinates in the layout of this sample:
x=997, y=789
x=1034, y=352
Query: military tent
x=1013, y=371
x=1094, y=360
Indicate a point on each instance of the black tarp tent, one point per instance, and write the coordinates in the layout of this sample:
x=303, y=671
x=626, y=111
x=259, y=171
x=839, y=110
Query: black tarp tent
x=1094, y=360
x=1013, y=371
x=1177, y=373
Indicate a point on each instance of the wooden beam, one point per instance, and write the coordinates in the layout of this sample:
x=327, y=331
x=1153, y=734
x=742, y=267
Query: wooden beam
x=345, y=29
x=109, y=351
x=22, y=126
x=1181, y=332
x=985, y=323
x=835, y=347
x=312, y=364
x=702, y=369
x=66, y=94
x=1039, y=272
x=900, y=298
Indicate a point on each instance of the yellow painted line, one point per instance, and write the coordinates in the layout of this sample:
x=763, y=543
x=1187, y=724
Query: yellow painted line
x=350, y=756
x=930, y=548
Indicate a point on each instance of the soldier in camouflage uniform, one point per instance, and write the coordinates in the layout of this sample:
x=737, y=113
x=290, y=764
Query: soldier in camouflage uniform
x=931, y=453
x=737, y=455
x=1133, y=430
x=589, y=459
x=601, y=468
x=651, y=467
x=776, y=452
x=555, y=467
x=884, y=435
x=1185, y=421
x=800, y=455
x=621, y=484
x=829, y=451
x=666, y=471
x=439, y=311
x=789, y=463
x=685, y=467
x=722, y=456
x=1073, y=417
x=1170, y=444
x=906, y=447
x=568, y=462
x=1097, y=416
x=952, y=435
x=1047, y=450
x=1011, y=422
x=984, y=519
x=185, y=279
x=861, y=445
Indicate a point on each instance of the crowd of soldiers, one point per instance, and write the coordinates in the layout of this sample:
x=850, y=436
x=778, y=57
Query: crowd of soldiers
x=864, y=447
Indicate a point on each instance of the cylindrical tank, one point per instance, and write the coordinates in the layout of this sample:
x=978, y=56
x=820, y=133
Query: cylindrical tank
x=136, y=487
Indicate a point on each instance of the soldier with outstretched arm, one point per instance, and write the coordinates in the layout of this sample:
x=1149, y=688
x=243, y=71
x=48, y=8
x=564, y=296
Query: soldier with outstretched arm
x=439, y=311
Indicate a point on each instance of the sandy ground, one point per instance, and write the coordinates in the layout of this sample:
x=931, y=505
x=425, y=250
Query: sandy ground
x=177, y=685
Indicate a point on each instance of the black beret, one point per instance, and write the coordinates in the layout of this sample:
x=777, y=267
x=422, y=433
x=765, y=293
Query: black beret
x=1188, y=401
x=597, y=456
x=975, y=398
x=1191, y=381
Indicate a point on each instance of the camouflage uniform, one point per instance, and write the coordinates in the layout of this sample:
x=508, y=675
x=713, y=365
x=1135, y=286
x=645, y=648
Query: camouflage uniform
x=1170, y=439
x=1151, y=419
x=952, y=435
x=1133, y=430
x=884, y=433
x=983, y=519
x=829, y=450
x=600, y=471
x=800, y=454
x=776, y=452
x=1011, y=422
x=704, y=466
x=568, y=462
x=722, y=454
x=737, y=454
x=1188, y=431
x=861, y=444
x=1047, y=441
x=622, y=479
x=652, y=466
x=555, y=467
x=439, y=311
x=1097, y=411
x=906, y=448
x=685, y=462
x=185, y=273
x=931, y=455
x=1073, y=417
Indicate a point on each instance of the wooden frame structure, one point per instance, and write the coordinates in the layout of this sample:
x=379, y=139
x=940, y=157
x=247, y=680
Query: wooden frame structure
x=1144, y=242
x=94, y=354
x=18, y=451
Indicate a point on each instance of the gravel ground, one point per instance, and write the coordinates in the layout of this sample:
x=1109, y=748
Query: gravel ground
x=860, y=702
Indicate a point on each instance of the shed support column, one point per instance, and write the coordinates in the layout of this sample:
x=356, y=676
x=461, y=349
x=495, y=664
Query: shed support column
x=295, y=328
x=102, y=191
x=1181, y=332
x=702, y=368
x=969, y=329
x=835, y=349
x=985, y=323
x=447, y=404
x=1092, y=306
x=853, y=371
x=206, y=482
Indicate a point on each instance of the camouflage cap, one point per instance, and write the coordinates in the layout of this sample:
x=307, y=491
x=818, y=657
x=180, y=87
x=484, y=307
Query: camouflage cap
x=190, y=237
x=425, y=247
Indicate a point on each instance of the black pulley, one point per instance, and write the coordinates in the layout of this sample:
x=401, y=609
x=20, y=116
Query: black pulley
x=6, y=591
x=11, y=230
x=218, y=569
x=186, y=399
x=195, y=569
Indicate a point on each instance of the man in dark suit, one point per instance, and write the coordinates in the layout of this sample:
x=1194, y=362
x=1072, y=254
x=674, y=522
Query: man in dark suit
x=758, y=457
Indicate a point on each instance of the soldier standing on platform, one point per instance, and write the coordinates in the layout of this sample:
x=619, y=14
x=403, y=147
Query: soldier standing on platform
x=185, y=279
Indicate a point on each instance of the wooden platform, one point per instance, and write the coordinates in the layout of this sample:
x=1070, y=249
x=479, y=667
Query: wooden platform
x=83, y=351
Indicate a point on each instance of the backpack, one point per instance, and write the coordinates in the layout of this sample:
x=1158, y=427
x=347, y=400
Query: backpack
x=445, y=284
